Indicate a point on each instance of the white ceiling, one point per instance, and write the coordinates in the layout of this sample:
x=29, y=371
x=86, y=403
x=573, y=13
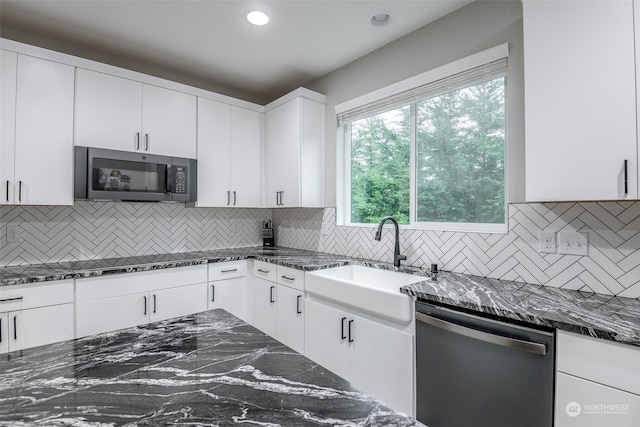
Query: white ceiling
x=209, y=41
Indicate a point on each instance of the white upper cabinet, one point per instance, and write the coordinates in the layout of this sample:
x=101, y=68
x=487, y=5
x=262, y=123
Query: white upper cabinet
x=229, y=155
x=37, y=131
x=122, y=114
x=108, y=111
x=295, y=150
x=580, y=100
x=168, y=122
x=8, y=76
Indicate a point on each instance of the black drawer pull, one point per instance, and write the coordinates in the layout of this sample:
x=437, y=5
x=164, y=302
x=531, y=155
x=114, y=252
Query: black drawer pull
x=229, y=271
x=288, y=278
x=263, y=271
x=11, y=299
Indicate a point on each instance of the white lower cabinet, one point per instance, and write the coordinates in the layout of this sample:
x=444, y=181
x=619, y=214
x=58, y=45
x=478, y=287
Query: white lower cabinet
x=107, y=303
x=373, y=356
x=33, y=315
x=597, y=383
x=264, y=306
x=279, y=303
x=229, y=289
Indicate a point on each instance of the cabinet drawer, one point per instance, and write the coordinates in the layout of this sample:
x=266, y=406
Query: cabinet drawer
x=290, y=277
x=21, y=297
x=144, y=281
x=264, y=270
x=227, y=270
x=605, y=362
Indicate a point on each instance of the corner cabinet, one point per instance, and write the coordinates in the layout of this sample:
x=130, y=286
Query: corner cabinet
x=295, y=150
x=121, y=114
x=580, y=100
x=597, y=382
x=36, y=149
x=230, y=161
x=33, y=315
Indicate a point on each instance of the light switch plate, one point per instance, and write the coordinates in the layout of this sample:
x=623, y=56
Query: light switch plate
x=573, y=243
x=547, y=242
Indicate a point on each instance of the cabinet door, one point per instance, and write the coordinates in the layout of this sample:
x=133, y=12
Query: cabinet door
x=264, y=306
x=325, y=335
x=40, y=326
x=108, y=111
x=582, y=403
x=4, y=332
x=381, y=362
x=175, y=302
x=246, y=158
x=110, y=314
x=214, y=135
x=231, y=295
x=580, y=100
x=9, y=64
x=290, y=318
x=44, y=132
x=168, y=122
x=283, y=155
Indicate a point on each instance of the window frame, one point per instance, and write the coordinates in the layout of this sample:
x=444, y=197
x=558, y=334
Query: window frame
x=343, y=175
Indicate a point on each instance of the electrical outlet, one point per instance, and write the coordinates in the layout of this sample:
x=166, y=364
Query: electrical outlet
x=13, y=235
x=572, y=243
x=235, y=226
x=324, y=230
x=547, y=242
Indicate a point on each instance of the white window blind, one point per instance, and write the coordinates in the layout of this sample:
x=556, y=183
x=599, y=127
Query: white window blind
x=462, y=79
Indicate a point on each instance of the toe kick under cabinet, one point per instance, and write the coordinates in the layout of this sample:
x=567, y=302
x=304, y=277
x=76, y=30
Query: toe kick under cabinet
x=108, y=303
x=33, y=315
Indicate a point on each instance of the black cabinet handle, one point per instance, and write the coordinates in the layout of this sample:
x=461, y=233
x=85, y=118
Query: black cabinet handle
x=350, y=323
x=146, y=142
x=145, y=305
x=20, y=191
x=7, y=190
x=154, y=303
x=15, y=327
x=271, y=294
x=229, y=271
x=137, y=140
x=0, y=329
x=342, y=335
x=11, y=299
x=213, y=293
x=234, y=198
x=626, y=177
x=228, y=198
x=263, y=271
x=298, y=304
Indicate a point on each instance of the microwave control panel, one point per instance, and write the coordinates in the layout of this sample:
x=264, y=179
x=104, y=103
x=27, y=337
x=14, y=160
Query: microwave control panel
x=180, y=180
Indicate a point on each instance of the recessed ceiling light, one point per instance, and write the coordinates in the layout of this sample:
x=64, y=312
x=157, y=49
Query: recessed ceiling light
x=257, y=18
x=380, y=18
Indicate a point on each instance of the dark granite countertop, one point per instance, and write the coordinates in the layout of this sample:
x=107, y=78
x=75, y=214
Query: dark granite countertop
x=601, y=316
x=209, y=368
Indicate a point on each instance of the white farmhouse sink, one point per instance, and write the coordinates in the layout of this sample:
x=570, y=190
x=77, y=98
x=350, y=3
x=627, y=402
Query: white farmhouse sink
x=368, y=289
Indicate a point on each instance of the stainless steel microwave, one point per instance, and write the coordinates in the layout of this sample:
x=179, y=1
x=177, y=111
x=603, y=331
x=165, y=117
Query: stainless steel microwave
x=121, y=175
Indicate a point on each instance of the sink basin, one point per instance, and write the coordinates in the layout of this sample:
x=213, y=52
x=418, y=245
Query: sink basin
x=368, y=289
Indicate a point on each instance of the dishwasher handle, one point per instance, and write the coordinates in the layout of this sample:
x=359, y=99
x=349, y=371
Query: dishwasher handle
x=531, y=347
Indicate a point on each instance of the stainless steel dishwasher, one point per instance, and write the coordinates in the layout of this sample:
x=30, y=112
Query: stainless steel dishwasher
x=474, y=371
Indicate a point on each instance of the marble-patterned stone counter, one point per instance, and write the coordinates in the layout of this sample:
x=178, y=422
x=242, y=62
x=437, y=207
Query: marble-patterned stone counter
x=600, y=316
x=296, y=258
x=205, y=369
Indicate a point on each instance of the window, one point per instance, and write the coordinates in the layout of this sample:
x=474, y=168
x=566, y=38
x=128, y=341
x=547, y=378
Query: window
x=433, y=158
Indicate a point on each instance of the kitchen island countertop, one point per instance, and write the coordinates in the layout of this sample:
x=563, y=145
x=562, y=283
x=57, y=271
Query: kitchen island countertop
x=210, y=368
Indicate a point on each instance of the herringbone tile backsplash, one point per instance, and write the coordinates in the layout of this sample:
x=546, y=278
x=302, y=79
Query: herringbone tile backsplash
x=612, y=266
x=91, y=230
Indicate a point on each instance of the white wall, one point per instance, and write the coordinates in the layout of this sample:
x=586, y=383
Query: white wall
x=473, y=28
